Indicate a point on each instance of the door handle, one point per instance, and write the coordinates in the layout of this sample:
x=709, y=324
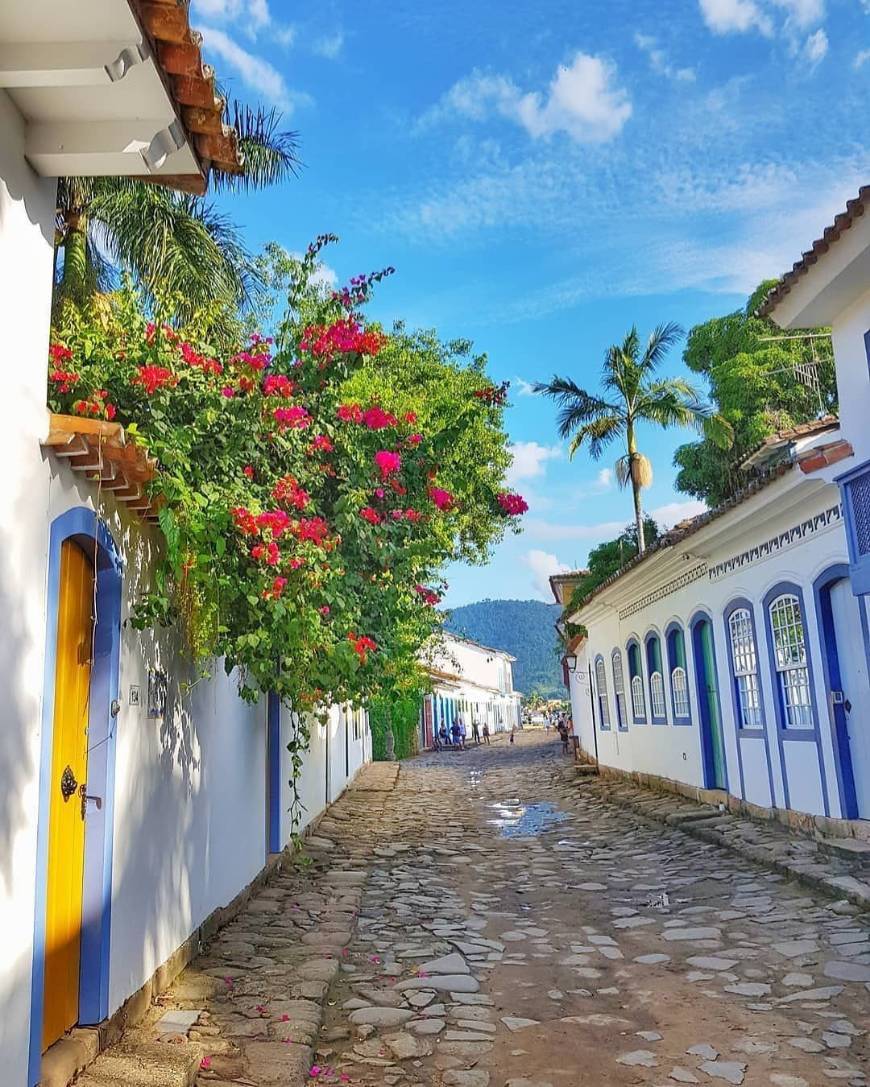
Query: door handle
x=83, y=793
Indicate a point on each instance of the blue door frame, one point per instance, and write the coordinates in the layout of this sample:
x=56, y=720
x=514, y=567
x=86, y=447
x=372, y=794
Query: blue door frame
x=82, y=526
x=833, y=682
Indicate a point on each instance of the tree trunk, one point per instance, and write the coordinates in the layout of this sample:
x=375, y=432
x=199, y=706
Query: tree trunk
x=635, y=490
x=74, y=281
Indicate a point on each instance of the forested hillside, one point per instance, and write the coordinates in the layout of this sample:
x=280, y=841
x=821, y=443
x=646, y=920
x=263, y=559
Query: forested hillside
x=523, y=628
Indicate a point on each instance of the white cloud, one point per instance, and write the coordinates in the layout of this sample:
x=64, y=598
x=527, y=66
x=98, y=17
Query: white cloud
x=862, y=57
x=802, y=13
x=523, y=387
x=583, y=100
x=553, y=530
x=323, y=275
x=530, y=460
x=284, y=35
x=543, y=565
x=255, y=72
x=604, y=480
x=658, y=60
x=251, y=17
x=816, y=48
x=735, y=16
x=673, y=512
x=329, y=46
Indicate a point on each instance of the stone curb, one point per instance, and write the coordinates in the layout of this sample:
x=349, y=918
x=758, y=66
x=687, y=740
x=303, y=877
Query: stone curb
x=704, y=823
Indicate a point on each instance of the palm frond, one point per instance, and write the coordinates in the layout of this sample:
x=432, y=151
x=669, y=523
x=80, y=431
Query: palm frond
x=719, y=431
x=661, y=340
x=578, y=407
x=271, y=154
x=597, y=434
x=634, y=468
x=176, y=245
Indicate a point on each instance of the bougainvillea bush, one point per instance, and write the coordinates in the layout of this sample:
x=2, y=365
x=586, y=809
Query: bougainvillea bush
x=312, y=486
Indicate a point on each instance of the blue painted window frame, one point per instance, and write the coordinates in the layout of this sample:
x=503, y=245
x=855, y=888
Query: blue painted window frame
x=790, y=588
x=635, y=670
x=859, y=571
x=621, y=708
x=673, y=631
x=602, y=704
x=91, y=534
x=741, y=603
x=655, y=665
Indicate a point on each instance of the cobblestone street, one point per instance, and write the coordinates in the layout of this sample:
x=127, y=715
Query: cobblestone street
x=486, y=919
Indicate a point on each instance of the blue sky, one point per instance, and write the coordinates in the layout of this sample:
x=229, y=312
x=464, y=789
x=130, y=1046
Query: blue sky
x=545, y=173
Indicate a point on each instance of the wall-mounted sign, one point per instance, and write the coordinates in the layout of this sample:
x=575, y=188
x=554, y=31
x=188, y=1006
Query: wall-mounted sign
x=135, y=699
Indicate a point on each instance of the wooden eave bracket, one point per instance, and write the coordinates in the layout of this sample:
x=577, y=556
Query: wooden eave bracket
x=101, y=450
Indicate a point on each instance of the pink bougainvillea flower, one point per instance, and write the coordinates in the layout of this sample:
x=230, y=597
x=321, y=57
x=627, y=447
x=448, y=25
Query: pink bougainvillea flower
x=152, y=378
x=411, y=417
x=388, y=462
x=229, y=982
x=414, y=439
x=321, y=444
x=370, y=515
x=295, y=418
x=444, y=500
x=228, y=391
x=278, y=385
x=349, y=413
x=313, y=529
x=289, y=493
x=205, y=1064
x=285, y=1018
x=248, y=470
x=274, y=591
x=512, y=504
x=314, y=1071
x=375, y=418
x=374, y=958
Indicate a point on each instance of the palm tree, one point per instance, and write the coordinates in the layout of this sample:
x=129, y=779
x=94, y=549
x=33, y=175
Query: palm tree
x=165, y=239
x=632, y=395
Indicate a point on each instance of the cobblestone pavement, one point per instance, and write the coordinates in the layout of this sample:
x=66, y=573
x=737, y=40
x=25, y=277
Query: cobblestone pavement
x=489, y=922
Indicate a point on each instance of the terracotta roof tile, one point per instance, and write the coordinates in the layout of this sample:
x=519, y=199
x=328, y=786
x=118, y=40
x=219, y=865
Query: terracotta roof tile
x=854, y=210
x=801, y=430
x=685, y=529
x=190, y=84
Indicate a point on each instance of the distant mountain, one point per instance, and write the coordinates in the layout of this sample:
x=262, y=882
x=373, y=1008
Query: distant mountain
x=523, y=628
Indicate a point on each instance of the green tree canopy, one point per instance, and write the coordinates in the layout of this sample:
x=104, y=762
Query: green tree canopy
x=760, y=382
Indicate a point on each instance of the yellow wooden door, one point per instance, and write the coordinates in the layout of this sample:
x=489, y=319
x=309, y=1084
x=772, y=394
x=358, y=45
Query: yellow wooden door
x=69, y=764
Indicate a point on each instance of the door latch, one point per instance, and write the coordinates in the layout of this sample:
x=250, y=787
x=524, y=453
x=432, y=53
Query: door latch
x=68, y=784
x=83, y=793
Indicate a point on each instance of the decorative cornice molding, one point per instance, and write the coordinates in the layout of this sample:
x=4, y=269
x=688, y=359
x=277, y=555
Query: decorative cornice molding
x=695, y=574
x=777, y=544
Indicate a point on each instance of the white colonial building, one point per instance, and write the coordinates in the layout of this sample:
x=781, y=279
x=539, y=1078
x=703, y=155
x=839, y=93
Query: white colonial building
x=132, y=806
x=472, y=680
x=734, y=655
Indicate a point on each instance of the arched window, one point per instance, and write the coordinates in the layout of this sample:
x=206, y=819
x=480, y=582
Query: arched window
x=656, y=679
x=676, y=644
x=601, y=687
x=790, y=659
x=619, y=690
x=635, y=674
x=744, y=668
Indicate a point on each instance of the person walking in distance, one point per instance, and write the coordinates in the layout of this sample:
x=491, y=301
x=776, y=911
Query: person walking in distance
x=475, y=730
x=455, y=733
x=486, y=732
x=462, y=733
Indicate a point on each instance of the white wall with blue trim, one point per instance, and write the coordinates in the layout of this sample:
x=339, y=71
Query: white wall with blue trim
x=785, y=543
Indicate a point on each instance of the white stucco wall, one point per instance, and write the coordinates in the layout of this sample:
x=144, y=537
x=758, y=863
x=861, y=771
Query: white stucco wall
x=674, y=751
x=26, y=248
x=853, y=376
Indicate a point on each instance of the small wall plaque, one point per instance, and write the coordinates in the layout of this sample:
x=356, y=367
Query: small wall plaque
x=135, y=699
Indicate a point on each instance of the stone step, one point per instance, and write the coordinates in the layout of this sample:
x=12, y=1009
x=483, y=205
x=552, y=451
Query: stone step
x=690, y=815
x=849, y=848
x=586, y=769
x=156, y=1065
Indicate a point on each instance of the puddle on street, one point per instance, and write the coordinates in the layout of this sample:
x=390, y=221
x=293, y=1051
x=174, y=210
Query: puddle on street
x=516, y=820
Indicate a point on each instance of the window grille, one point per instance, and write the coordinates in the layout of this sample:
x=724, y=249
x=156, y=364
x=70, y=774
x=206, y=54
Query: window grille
x=744, y=658
x=657, y=694
x=619, y=687
x=858, y=497
x=637, y=700
x=790, y=654
x=601, y=684
x=680, y=685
